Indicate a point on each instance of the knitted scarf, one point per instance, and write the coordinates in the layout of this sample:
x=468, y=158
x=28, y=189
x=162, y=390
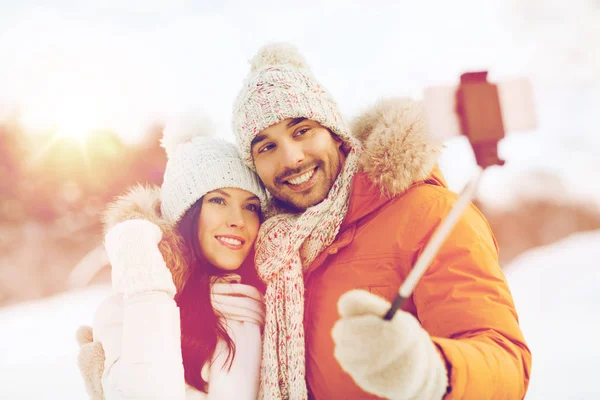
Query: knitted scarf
x=287, y=244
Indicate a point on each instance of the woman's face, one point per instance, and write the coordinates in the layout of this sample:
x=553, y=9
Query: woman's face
x=227, y=227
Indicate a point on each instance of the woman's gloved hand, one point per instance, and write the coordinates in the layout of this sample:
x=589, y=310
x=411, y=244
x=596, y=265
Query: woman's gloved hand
x=137, y=263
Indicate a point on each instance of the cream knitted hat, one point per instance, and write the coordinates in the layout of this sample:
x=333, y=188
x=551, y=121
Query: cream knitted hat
x=197, y=164
x=280, y=86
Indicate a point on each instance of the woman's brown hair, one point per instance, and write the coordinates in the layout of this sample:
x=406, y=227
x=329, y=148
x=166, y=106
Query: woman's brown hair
x=201, y=327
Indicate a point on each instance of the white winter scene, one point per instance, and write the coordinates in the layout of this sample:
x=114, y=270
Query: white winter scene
x=85, y=89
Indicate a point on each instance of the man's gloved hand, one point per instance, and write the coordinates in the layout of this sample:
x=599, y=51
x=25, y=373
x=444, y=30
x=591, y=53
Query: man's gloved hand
x=392, y=359
x=137, y=263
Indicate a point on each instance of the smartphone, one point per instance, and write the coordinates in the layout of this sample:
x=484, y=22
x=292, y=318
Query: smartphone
x=516, y=105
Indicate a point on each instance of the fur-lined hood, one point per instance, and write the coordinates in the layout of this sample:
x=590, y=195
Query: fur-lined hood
x=398, y=150
x=397, y=153
x=144, y=203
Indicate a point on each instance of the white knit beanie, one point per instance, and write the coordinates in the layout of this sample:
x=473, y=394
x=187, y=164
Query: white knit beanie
x=197, y=164
x=280, y=86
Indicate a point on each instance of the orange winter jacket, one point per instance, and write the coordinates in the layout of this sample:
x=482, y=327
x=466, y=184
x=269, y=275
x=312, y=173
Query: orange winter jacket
x=463, y=300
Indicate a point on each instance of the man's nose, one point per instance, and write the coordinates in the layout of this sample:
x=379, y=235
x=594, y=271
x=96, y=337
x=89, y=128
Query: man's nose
x=292, y=155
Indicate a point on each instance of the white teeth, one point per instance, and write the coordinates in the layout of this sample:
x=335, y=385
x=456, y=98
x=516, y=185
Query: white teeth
x=302, y=178
x=232, y=241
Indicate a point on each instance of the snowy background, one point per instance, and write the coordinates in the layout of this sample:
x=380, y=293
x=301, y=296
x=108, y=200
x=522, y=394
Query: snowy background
x=556, y=290
x=77, y=66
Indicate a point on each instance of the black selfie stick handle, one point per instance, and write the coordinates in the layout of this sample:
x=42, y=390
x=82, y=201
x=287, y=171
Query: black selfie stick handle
x=396, y=305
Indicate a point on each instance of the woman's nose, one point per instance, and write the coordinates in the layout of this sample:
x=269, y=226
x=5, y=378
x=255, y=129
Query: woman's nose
x=235, y=219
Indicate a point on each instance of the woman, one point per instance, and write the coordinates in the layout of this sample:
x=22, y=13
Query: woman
x=180, y=325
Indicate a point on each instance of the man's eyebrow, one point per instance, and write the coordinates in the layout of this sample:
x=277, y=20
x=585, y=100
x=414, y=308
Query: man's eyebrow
x=257, y=139
x=295, y=121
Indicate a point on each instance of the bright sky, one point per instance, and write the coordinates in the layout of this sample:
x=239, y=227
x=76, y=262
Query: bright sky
x=122, y=64
x=79, y=65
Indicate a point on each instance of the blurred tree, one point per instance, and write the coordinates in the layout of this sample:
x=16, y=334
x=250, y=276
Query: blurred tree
x=13, y=150
x=150, y=158
x=53, y=191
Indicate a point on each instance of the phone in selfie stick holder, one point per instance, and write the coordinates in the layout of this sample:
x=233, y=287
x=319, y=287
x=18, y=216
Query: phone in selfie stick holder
x=481, y=111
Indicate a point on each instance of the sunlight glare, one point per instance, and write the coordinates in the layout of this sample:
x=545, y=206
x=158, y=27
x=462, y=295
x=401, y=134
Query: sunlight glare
x=67, y=120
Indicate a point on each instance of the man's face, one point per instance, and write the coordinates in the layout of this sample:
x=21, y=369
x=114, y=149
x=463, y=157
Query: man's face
x=298, y=160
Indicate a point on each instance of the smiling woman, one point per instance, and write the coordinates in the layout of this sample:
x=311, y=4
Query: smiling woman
x=179, y=313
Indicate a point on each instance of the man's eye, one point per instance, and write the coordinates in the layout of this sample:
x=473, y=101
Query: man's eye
x=302, y=131
x=266, y=148
x=217, y=200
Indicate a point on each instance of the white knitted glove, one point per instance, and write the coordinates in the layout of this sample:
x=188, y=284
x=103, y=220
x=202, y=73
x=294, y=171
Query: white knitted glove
x=393, y=359
x=137, y=263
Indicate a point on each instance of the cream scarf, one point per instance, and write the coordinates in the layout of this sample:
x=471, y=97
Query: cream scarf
x=286, y=246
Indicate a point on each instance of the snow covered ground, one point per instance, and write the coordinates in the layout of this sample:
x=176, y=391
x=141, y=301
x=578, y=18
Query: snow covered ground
x=556, y=289
x=557, y=293
x=38, y=349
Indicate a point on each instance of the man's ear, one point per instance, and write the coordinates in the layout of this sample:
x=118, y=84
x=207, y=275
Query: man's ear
x=340, y=144
x=336, y=139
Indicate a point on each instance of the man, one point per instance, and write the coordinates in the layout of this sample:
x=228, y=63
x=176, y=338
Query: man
x=354, y=211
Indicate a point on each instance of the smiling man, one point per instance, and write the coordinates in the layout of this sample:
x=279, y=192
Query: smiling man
x=353, y=211
x=298, y=160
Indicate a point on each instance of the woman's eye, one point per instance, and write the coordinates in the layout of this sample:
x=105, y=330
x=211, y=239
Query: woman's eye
x=217, y=200
x=253, y=207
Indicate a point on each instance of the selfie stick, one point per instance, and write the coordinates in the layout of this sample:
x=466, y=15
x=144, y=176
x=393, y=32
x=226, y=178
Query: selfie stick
x=478, y=109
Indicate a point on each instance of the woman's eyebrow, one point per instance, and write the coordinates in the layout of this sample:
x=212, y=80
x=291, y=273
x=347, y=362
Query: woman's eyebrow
x=224, y=193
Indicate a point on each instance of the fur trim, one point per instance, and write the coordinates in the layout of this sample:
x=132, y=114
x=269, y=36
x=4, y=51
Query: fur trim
x=90, y=362
x=278, y=54
x=144, y=203
x=398, y=149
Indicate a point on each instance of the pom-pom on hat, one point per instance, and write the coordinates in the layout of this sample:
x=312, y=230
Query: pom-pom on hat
x=199, y=162
x=280, y=86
